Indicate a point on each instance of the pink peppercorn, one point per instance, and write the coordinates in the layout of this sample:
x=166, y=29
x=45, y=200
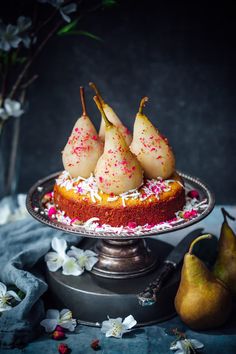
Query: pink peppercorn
x=132, y=224
x=193, y=194
x=52, y=211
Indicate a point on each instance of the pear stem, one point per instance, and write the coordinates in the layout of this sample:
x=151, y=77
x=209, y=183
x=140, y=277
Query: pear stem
x=82, y=97
x=94, y=87
x=99, y=106
x=226, y=214
x=196, y=240
x=142, y=104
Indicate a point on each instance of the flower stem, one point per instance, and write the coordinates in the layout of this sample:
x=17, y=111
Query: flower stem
x=4, y=80
x=11, y=175
x=31, y=60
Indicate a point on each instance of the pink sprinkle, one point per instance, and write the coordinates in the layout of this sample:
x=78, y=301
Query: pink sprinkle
x=80, y=190
x=150, y=226
x=132, y=225
x=190, y=214
x=193, y=194
x=73, y=220
x=127, y=131
x=48, y=195
x=76, y=129
x=94, y=137
x=153, y=149
x=52, y=211
x=100, y=179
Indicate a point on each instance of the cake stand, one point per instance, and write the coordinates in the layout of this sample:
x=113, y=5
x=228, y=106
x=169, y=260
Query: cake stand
x=127, y=263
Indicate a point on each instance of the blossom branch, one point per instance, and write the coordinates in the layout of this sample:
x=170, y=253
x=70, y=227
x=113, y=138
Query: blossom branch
x=29, y=82
x=31, y=60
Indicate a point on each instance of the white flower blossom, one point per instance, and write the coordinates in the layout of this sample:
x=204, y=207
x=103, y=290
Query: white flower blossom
x=73, y=263
x=6, y=297
x=114, y=327
x=86, y=259
x=10, y=108
x=23, y=24
x=9, y=37
x=186, y=346
x=71, y=267
x=64, y=9
x=56, y=259
x=55, y=318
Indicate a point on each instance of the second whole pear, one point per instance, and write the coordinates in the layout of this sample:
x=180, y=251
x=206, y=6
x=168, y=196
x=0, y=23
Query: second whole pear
x=225, y=265
x=151, y=148
x=202, y=301
x=117, y=171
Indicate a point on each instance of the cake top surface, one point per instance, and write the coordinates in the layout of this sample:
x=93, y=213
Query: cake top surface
x=87, y=189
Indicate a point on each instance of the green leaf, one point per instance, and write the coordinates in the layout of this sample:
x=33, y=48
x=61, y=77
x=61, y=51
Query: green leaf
x=21, y=60
x=14, y=57
x=85, y=33
x=108, y=3
x=4, y=57
x=67, y=28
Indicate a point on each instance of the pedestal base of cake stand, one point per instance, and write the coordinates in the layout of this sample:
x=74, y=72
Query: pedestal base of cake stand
x=92, y=298
x=122, y=259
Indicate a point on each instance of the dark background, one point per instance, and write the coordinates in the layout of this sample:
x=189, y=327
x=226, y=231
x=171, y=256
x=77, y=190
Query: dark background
x=181, y=55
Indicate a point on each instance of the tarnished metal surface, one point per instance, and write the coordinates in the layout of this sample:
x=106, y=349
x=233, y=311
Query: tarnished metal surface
x=123, y=259
x=92, y=298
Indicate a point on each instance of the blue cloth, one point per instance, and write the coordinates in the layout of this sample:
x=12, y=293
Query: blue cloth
x=23, y=245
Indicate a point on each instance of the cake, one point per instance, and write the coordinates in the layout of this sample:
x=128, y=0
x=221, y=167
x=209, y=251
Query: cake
x=154, y=202
x=118, y=183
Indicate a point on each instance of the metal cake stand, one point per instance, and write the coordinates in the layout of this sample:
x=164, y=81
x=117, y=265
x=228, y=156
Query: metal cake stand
x=127, y=264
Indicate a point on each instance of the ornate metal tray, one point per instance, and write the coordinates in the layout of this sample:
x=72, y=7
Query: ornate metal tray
x=45, y=185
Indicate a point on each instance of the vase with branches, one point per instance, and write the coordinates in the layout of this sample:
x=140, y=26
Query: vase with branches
x=21, y=42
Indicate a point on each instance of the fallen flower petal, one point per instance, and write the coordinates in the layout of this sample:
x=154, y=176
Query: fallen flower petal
x=6, y=297
x=86, y=259
x=71, y=267
x=63, y=348
x=186, y=346
x=58, y=335
x=56, y=259
x=54, y=318
x=114, y=327
x=95, y=344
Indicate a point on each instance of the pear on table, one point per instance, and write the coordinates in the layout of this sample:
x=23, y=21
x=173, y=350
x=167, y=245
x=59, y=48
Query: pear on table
x=84, y=147
x=151, y=148
x=117, y=170
x=112, y=117
x=202, y=301
x=225, y=265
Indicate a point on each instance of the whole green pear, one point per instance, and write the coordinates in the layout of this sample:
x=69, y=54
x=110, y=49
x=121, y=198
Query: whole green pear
x=225, y=265
x=202, y=301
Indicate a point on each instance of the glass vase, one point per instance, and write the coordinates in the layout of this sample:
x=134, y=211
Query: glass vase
x=9, y=159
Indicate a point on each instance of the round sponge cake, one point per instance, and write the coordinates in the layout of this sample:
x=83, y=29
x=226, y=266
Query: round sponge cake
x=154, y=202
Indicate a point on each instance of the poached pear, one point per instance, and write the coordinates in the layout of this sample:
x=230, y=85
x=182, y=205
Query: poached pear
x=113, y=118
x=117, y=170
x=202, y=301
x=84, y=146
x=225, y=265
x=151, y=148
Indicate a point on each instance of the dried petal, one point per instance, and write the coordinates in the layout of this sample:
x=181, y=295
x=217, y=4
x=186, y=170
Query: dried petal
x=95, y=344
x=63, y=348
